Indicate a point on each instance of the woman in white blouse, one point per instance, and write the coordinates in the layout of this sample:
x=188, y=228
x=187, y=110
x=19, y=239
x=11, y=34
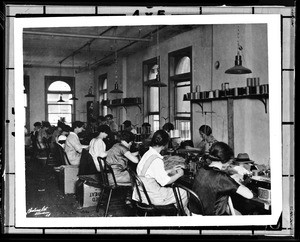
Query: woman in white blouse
x=154, y=176
x=73, y=147
x=97, y=146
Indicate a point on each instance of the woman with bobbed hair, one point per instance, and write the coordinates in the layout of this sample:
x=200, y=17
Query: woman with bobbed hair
x=154, y=176
x=214, y=185
x=208, y=139
x=119, y=156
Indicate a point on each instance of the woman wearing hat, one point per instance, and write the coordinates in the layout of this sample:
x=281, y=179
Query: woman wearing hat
x=214, y=185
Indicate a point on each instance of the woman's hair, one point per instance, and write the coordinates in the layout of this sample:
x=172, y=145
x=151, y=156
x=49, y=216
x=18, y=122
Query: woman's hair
x=160, y=138
x=127, y=136
x=37, y=124
x=168, y=126
x=205, y=129
x=109, y=116
x=127, y=123
x=104, y=129
x=220, y=151
x=146, y=125
x=185, y=143
x=77, y=124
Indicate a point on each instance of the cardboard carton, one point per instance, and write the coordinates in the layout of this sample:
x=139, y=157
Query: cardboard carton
x=68, y=178
x=90, y=195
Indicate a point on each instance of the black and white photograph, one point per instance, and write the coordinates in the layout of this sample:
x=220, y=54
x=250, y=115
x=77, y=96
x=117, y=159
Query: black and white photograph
x=148, y=121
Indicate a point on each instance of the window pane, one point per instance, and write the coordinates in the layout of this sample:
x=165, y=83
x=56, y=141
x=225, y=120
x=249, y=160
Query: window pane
x=154, y=121
x=182, y=106
x=54, y=117
x=59, y=108
x=59, y=86
x=54, y=97
x=183, y=66
x=104, y=84
x=154, y=99
x=184, y=127
x=153, y=72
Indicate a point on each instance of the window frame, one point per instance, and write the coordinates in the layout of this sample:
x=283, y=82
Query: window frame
x=71, y=82
x=148, y=115
x=103, y=109
x=174, y=79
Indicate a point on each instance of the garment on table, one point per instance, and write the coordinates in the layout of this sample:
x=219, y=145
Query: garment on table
x=118, y=162
x=97, y=148
x=205, y=145
x=151, y=171
x=73, y=148
x=213, y=187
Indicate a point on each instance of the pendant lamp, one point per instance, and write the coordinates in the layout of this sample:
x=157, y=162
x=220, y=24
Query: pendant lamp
x=238, y=68
x=116, y=89
x=90, y=92
x=73, y=98
x=156, y=82
x=60, y=98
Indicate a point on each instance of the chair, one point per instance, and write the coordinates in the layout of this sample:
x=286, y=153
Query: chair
x=191, y=196
x=61, y=155
x=149, y=209
x=105, y=173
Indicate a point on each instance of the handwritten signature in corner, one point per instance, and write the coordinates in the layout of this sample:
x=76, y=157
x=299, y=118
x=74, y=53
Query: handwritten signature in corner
x=39, y=211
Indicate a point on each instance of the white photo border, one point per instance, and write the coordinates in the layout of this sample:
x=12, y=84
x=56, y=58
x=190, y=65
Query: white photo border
x=273, y=22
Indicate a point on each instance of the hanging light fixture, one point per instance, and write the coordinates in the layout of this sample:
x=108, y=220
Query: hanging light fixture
x=238, y=68
x=73, y=98
x=116, y=89
x=90, y=92
x=156, y=82
x=60, y=98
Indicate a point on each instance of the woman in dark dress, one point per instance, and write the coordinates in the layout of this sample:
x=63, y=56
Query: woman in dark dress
x=214, y=185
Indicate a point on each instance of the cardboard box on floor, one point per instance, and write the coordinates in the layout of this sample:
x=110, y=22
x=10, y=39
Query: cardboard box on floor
x=90, y=195
x=68, y=178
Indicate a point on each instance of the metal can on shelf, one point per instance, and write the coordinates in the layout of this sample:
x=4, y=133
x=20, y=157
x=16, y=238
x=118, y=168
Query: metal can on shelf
x=217, y=94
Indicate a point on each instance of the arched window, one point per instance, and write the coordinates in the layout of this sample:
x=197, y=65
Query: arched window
x=103, y=94
x=59, y=105
x=183, y=65
x=151, y=94
x=181, y=79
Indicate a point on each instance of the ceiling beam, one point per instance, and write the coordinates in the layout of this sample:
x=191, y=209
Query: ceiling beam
x=87, y=36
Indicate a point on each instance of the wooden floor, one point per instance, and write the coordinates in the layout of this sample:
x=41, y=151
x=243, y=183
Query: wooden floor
x=43, y=195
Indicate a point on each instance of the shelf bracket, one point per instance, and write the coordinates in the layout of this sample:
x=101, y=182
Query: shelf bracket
x=264, y=101
x=139, y=108
x=125, y=108
x=201, y=105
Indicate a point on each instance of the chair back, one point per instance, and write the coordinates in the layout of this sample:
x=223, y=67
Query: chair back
x=191, y=196
x=35, y=143
x=62, y=156
x=105, y=170
x=139, y=186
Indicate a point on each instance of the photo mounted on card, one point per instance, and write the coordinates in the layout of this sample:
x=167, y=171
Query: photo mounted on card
x=185, y=110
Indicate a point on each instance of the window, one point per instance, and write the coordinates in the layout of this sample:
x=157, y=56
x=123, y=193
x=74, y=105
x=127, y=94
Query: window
x=26, y=103
x=181, y=78
x=59, y=105
x=103, y=94
x=151, y=94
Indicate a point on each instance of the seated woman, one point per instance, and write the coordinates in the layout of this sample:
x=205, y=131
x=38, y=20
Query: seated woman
x=208, y=139
x=119, y=155
x=213, y=184
x=97, y=146
x=73, y=147
x=154, y=176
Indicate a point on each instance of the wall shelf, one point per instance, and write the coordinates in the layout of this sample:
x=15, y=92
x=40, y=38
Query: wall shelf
x=262, y=97
x=125, y=105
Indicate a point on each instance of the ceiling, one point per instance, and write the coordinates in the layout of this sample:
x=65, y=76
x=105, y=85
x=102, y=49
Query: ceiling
x=90, y=47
